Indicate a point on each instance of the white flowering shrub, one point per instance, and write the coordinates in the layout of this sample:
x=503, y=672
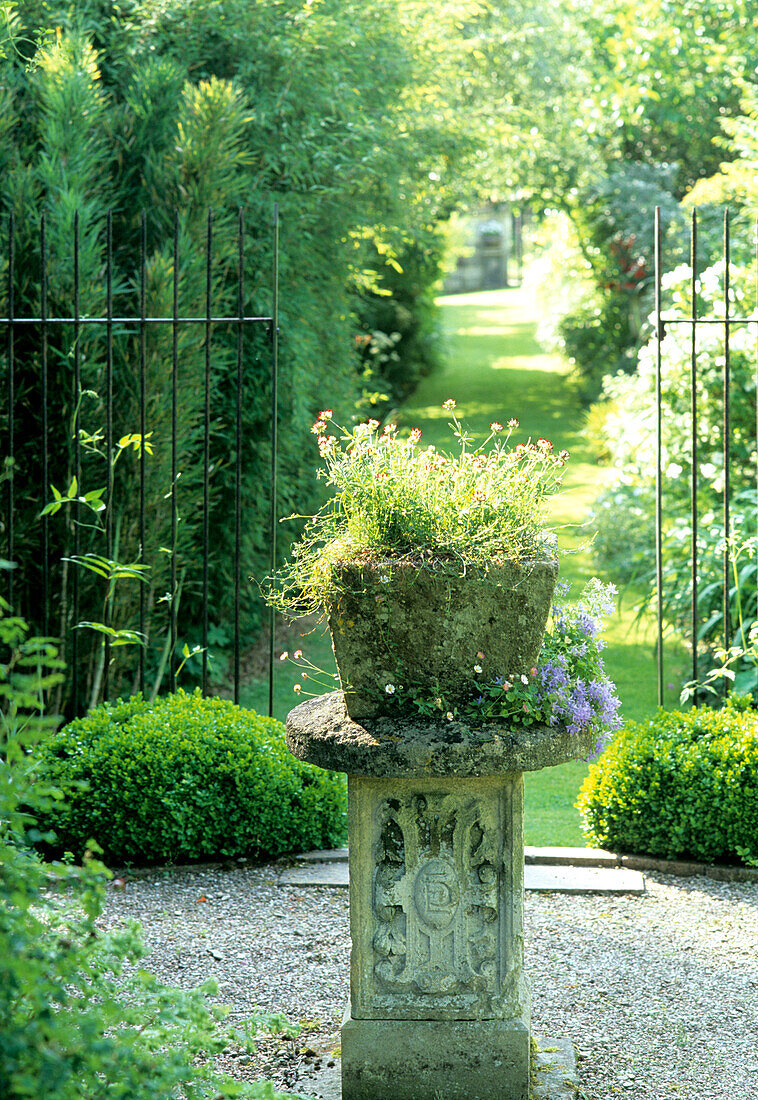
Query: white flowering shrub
x=624, y=513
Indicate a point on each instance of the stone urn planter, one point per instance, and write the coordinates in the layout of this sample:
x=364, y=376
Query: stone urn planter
x=406, y=623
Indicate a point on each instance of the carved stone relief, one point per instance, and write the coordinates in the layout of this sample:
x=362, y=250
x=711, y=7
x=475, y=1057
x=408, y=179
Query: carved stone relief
x=441, y=922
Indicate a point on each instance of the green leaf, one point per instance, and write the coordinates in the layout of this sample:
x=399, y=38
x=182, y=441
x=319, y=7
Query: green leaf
x=111, y=570
x=118, y=637
x=90, y=562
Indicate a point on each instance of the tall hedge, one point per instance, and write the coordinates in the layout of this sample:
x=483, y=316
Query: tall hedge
x=159, y=105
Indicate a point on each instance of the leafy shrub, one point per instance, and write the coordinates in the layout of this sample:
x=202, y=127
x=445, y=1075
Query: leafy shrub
x=600, y=333
x=624, y=521
x=76, y=1020
x=683, y=784
x=398, y=315
x=199, y=104
x=187, y=778
x=624, y=513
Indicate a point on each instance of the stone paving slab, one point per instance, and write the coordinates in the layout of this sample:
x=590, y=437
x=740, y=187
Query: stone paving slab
x=584, y=880
x=576, y=857
x=596, y=857
x=316, y=874
x=325, y=855
x=554, y=1073
x=554, y=1070
x=565, y=880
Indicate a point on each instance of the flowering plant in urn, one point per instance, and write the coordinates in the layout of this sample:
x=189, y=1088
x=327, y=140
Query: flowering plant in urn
x=419, y=555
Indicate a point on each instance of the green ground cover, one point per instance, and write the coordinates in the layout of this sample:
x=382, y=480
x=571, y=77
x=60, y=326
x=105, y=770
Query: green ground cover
x=495, y=370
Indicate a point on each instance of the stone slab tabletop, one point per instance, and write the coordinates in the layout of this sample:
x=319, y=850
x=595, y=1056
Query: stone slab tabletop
x=321, y=732
x=563, y=880
x=555, y=1075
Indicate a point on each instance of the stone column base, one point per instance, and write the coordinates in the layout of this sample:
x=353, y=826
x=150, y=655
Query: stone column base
x=435, y=1059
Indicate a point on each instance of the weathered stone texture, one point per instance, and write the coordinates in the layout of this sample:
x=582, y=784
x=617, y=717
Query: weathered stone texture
x=398, y=621
x=435, y=1059
x=321, y=732
x=436, y=899
x=439, y=1002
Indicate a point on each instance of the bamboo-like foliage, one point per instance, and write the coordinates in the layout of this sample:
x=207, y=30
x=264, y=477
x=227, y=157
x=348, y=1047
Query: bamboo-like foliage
x=191, y=107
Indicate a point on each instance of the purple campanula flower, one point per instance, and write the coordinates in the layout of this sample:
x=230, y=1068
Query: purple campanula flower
x=586, y=624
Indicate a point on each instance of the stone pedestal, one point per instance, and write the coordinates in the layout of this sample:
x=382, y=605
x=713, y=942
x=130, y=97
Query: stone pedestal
x=439, y=1004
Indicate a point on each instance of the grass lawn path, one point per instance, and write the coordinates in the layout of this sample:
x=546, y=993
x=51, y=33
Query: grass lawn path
x=495, y=370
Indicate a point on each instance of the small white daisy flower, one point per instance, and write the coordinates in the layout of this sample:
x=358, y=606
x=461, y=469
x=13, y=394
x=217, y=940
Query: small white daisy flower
x=524, y=679
x=390, y=689
x=477, y=668
x=449, y=716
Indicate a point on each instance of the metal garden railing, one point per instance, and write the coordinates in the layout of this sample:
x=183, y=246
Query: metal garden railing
x=43, y=324
x=727, y=321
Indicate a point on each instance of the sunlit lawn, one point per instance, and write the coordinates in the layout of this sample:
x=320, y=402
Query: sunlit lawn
x=495, y=370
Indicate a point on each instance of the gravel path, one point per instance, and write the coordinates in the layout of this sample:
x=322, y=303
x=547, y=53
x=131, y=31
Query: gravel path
x=658, y=993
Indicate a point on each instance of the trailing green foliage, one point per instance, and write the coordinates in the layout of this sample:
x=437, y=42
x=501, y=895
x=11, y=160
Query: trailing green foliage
x=79, y=1018
x=682, y=785
x=187, y=778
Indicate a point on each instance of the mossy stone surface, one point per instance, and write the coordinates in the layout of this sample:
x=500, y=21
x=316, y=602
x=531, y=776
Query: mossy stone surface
x=454, y=1059
x=322, y=732
x=424, y=624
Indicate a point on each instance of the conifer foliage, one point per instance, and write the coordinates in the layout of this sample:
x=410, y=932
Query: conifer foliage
x=188, y=106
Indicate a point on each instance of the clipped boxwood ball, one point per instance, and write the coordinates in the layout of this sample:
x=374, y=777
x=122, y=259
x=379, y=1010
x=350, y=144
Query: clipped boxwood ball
x=682, y=785
x=187, y=778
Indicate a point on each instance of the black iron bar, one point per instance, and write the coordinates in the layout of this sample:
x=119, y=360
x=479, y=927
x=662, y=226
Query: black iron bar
x=124, y=326
x=659, y=451
x=108, y=429
x=238, y=451
x=11, y=400
x=727, y=431
x=45, y=428
x=274, y=446
x=235, y=320
x=710, y=320
x=174, y=460
x=77, y=470
x=143, y=433
x=207, y=445
x=693, y=407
